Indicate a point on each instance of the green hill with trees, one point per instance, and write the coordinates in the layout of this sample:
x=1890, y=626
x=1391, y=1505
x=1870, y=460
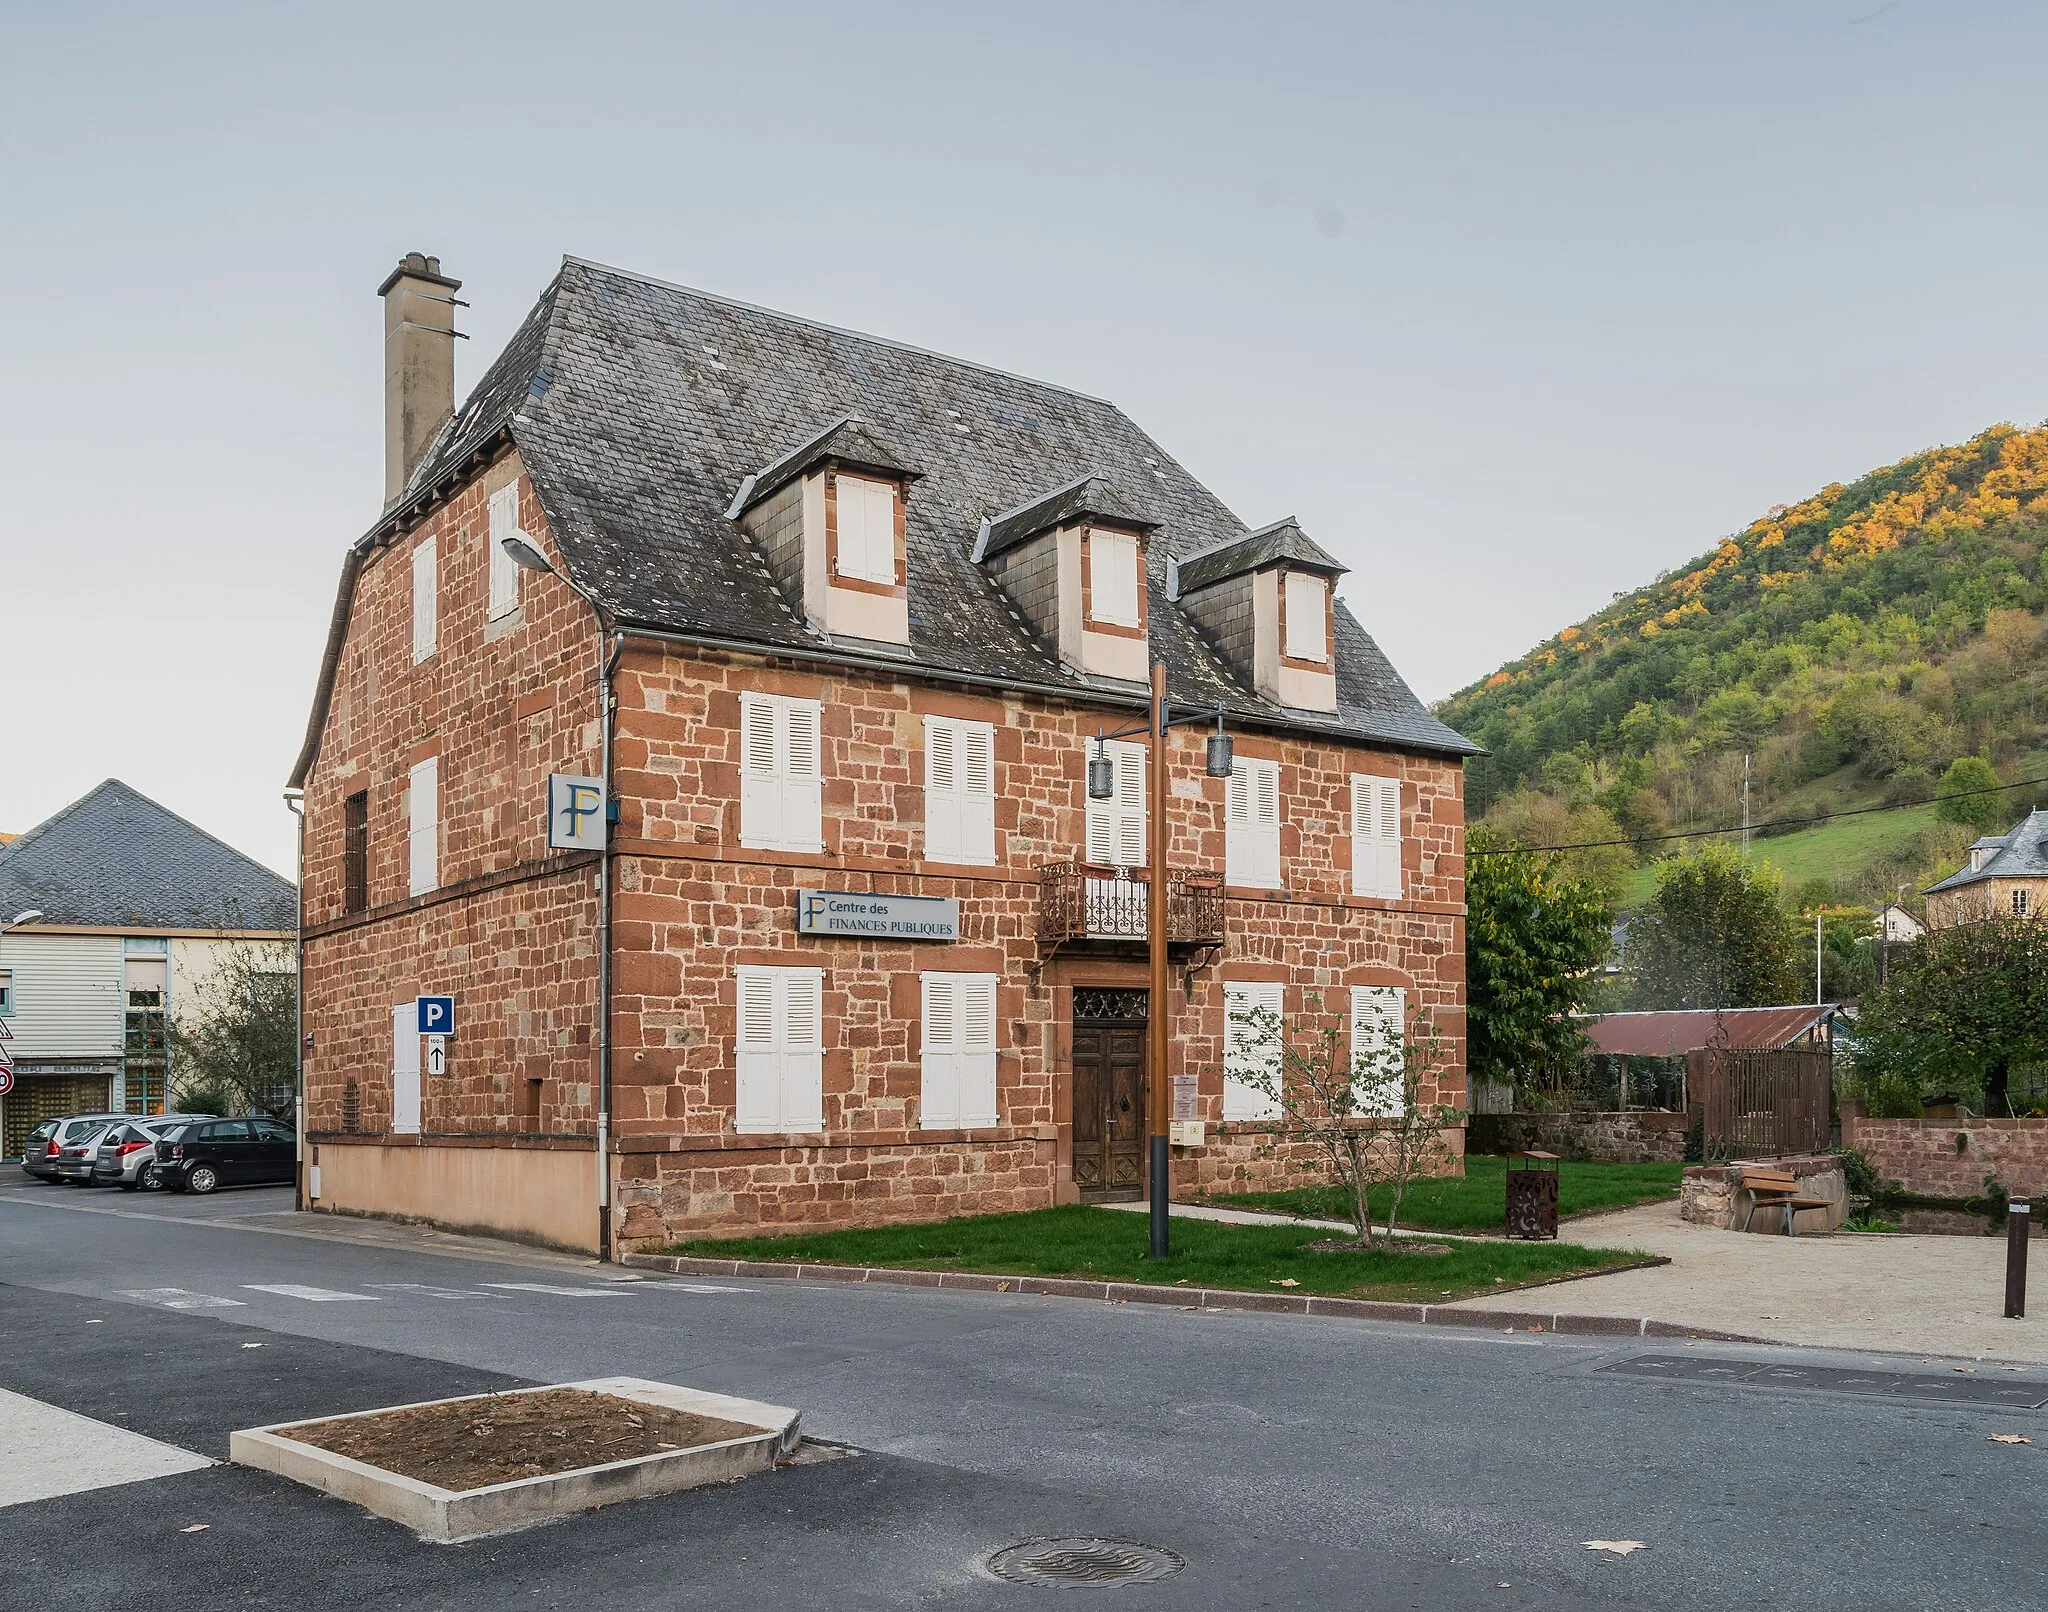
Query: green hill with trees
x=1877, y=643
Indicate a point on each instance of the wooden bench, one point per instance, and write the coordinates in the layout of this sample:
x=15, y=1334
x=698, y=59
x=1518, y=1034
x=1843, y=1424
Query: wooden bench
x=1780, y=1187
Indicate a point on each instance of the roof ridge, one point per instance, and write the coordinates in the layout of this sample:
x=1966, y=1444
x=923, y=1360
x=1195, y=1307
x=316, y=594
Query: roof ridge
x=837, y=330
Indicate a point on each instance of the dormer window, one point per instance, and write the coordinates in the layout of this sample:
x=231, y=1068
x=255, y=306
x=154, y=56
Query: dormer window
x=828, y=517
x=865, y=546
x=1306, y=605
x=1072, y=562
x=1113, y=587
x=1263, y=601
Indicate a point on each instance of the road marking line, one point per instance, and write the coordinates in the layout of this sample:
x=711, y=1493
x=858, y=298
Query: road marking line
x=177, y=1298
x=427, y=1290
x=46, y=1451
x=564, y=1292
x=312, y=1295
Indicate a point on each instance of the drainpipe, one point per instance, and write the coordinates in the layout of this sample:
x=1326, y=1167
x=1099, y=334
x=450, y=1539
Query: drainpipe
x=295, y=803
x=608, y=708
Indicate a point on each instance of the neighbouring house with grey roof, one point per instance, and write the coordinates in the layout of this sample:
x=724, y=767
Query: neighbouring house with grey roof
x=2007, y=877
x=705, y=719
x=125, y=908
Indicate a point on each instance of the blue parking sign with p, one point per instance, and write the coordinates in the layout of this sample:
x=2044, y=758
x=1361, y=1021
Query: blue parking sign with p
x=437, y=1015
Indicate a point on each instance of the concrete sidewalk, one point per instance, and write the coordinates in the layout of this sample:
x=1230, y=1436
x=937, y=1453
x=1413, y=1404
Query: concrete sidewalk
x=1917, y=1295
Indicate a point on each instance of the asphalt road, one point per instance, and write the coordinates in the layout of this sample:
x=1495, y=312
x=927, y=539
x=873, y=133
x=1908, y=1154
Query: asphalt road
x=1291, y=1461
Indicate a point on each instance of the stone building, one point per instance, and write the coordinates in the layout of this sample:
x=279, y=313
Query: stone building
x=838, y=619
x=2007, y=878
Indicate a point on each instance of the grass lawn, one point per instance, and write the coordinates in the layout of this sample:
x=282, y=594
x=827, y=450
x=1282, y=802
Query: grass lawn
x=1477, y=1202
x=1840, y=849
x=1109, y=1245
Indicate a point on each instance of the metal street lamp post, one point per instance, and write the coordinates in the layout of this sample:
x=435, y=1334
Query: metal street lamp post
x=1102, y=786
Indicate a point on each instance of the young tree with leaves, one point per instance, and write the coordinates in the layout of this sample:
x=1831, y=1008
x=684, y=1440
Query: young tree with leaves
x=1362, y=1113
x=1960, y=1007
x=233, y=1044
x=1961, y=796
x=1534, y=941
x=1716, y=934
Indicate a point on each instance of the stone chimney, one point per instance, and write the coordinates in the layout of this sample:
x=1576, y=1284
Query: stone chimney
x=419, y=363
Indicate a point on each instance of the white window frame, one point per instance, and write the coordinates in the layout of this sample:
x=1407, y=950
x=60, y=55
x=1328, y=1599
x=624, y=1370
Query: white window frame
x=782, y=745
x=1116, y=827
x=1376, y=852
x=423, y=826
x=504, y=599
x=1308, y=617
x=426, y=601
x=405, y=1069
x=1251, y=835
x=778, y=1062
x=957, y=1020
x=1382, y=1004
x=6, y=993
x=1114, y=584
x=865, y=527
x=1241, y=1101
x=2020, y=901
x=959, y=791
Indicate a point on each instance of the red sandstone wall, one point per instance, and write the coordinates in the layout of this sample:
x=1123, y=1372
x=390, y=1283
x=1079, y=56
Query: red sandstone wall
x=1951, y=1158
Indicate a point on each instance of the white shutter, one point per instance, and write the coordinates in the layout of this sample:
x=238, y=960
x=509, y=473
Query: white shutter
x=405, y=1069
x=1375, y=836
x=423, y=825
x=1113, y=577
x=757, y=1084
x=1251, y=841
x=803, y=805
x=426, y=581
x=1377, y=1021
x=779, y=1050
x=959, y=1061
x=1243, y=1051
x=781, y=748
x=1116, y=827
x=866, y=521
x=941, y=791
x=1307, y=617
x=504, y=569
x=959, y=791
x=803, y=1049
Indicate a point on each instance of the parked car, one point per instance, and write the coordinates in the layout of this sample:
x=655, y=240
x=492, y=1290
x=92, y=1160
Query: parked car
x=44, y=1154
x=206, y=1154
x=125, y=1156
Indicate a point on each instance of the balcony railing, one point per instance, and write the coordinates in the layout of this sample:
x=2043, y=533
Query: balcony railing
x=1086, y=901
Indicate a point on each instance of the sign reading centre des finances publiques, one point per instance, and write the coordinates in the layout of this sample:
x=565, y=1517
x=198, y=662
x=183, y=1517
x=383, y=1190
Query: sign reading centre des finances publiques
x=845, y=912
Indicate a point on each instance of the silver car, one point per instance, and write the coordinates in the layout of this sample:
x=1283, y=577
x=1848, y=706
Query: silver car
x=51, y=1151
x=125, y=1155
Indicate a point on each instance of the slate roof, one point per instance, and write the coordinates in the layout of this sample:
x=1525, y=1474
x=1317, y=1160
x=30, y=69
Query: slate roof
x=2021, y=853
x=116, y=859
x=1091, y=496
x=639, y=407
x=1283, y=540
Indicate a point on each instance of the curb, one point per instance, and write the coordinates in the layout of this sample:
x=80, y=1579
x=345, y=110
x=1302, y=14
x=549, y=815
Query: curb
x=1191, y=1298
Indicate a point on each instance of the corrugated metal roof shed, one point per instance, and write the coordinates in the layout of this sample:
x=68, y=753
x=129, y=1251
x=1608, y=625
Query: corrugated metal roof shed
x=1675, y=1033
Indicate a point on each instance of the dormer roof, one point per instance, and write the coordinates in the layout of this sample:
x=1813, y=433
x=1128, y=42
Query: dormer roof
x=848, y=442
x=1088, y=497
x=1283, y=540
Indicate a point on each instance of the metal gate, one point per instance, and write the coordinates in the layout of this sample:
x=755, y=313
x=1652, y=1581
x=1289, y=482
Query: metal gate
x=1761, y=1103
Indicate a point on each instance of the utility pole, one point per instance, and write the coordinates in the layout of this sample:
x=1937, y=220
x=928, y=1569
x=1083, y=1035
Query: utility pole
x=1817, y=912
x=1745, y=803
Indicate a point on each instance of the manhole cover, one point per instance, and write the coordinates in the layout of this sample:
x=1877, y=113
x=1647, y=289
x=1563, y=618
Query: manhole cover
x=1069, y=1563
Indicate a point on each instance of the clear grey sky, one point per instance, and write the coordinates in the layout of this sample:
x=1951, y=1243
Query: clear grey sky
x=1514, y=305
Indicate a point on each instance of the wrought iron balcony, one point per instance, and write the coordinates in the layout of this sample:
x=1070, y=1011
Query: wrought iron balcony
x=1087, y=901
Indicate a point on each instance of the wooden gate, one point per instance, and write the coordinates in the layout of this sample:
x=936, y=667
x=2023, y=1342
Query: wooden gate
x=1761, y=1104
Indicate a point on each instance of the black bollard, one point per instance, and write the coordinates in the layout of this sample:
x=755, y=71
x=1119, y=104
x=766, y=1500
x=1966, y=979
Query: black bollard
x=2016, y=1218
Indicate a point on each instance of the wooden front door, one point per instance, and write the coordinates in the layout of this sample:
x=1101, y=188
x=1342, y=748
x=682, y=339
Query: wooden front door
x=1109, y=1094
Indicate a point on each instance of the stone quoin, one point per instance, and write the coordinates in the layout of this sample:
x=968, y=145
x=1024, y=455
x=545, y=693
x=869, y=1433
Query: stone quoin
x=874, y=953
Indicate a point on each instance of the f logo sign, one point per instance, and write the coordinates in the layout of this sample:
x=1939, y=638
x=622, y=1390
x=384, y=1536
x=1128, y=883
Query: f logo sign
x=576, y=813
x=814, y=911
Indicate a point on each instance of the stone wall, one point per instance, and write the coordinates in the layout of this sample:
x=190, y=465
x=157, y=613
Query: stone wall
x=1634, y=1137
x=1710, y=1195
x=1954, y=1158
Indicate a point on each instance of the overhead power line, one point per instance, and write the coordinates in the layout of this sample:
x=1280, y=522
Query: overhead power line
x=1757, y=828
